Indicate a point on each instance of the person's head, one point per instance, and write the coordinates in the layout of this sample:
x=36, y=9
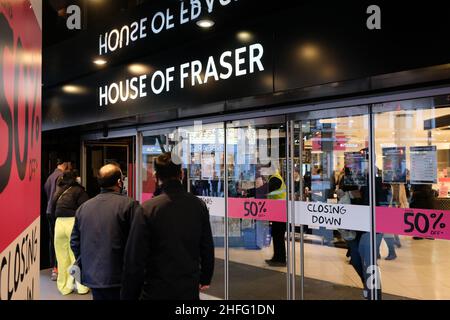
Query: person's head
x=68, y=178
x=110, y=178
x=62, y=164
x=259, y=182
x=166, y=169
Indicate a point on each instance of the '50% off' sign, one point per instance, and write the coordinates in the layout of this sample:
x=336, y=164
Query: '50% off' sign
x=421, y=223
x=255, y=209
x=258, y=209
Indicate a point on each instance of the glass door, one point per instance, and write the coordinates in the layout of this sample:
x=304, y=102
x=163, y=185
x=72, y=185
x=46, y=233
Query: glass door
x=412, y=146
x=100, y=153
x=331, y=183
x=256, y=173
x=200, y=148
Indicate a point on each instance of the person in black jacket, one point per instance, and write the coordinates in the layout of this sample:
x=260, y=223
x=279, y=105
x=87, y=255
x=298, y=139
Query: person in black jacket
x=49, y=190
x=99, y=237
x=68, y=197
x=422, y=198
x=170, y=252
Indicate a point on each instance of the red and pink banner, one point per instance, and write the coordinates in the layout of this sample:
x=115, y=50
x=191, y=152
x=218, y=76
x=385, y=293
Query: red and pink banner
x=258, y=209
x=414, y=222
x=20, y=148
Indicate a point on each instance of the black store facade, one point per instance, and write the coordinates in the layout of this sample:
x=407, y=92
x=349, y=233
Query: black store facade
x=355, y=121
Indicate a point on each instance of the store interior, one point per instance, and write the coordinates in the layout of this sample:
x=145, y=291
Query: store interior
x=325, y=144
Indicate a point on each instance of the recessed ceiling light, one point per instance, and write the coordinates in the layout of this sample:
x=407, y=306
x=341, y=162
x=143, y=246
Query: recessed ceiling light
x=139, y=69
x=245, y=36
x=205, y=23
x=72, y=89
x=100, y=62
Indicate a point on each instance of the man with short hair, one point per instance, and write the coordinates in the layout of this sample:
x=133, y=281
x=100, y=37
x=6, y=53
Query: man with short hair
x=100, y=234
x=49, y=189
x=170, y=252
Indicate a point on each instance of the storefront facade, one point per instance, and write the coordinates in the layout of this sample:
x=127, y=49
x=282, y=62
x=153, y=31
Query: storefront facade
x=357, y=135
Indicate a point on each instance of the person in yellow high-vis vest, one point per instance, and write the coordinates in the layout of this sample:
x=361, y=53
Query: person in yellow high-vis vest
x=277, y=191
x=68, y=197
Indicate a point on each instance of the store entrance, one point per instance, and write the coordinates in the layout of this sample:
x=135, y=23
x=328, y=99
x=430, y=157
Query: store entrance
x=330, y=187
x=340, y=194
x=101, y=152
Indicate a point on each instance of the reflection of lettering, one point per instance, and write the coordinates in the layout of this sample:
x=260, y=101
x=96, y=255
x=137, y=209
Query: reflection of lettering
x=16, y=265
x=158, y=22
x=207, y=201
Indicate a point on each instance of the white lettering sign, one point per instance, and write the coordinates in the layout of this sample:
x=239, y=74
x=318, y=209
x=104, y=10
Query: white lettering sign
x=216, y=205
x=123, y=90
x=240, y=62
x=333, y=216
x=19, y=266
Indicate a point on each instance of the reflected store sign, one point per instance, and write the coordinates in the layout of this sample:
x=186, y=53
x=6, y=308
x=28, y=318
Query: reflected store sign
x=157, y=23
x=231, y=63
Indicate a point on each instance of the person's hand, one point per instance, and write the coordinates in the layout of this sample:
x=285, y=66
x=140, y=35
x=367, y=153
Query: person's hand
x=203, y=288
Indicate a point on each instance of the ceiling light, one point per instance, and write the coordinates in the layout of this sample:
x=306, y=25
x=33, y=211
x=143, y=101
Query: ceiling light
x=139, y=69
x=245, y=36
x=72, y=89
x=100, y=62
x=205, y=23
x=309, y=52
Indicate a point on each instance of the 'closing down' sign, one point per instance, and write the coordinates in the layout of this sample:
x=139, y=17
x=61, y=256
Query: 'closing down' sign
x=333, y=216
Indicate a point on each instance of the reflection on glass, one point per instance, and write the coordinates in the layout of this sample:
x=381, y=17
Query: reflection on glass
x=200, y=148
x=334, y=167
x=203, y=155
x=256, y=165
x=412, y=153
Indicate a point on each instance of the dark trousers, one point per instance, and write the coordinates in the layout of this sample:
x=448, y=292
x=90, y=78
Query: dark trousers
x=279, y=245
x=106, y=294
x=51, y=243
x=360, y=257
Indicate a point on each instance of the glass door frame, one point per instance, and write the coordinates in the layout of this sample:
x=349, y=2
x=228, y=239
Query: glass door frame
x=133, y=152
x=299, y=118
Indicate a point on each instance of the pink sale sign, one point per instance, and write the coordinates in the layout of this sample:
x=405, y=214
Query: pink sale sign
x=414, y=222
x=258, y=209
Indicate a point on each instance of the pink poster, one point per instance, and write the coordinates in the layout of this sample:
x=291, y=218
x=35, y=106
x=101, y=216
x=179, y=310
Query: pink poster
x=414, y=222
x=258, y=209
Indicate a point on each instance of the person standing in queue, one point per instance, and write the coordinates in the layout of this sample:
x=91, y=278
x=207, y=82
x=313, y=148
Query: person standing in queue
x=69, y=196
x=170, y=251
x=100, y=234
x=49, y=189
x=277, y=191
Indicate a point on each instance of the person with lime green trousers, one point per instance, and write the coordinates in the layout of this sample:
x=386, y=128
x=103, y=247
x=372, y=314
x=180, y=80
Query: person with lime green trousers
x=68, y=197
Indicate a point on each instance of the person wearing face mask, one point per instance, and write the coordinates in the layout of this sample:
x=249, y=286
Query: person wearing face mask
x=100, y=235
